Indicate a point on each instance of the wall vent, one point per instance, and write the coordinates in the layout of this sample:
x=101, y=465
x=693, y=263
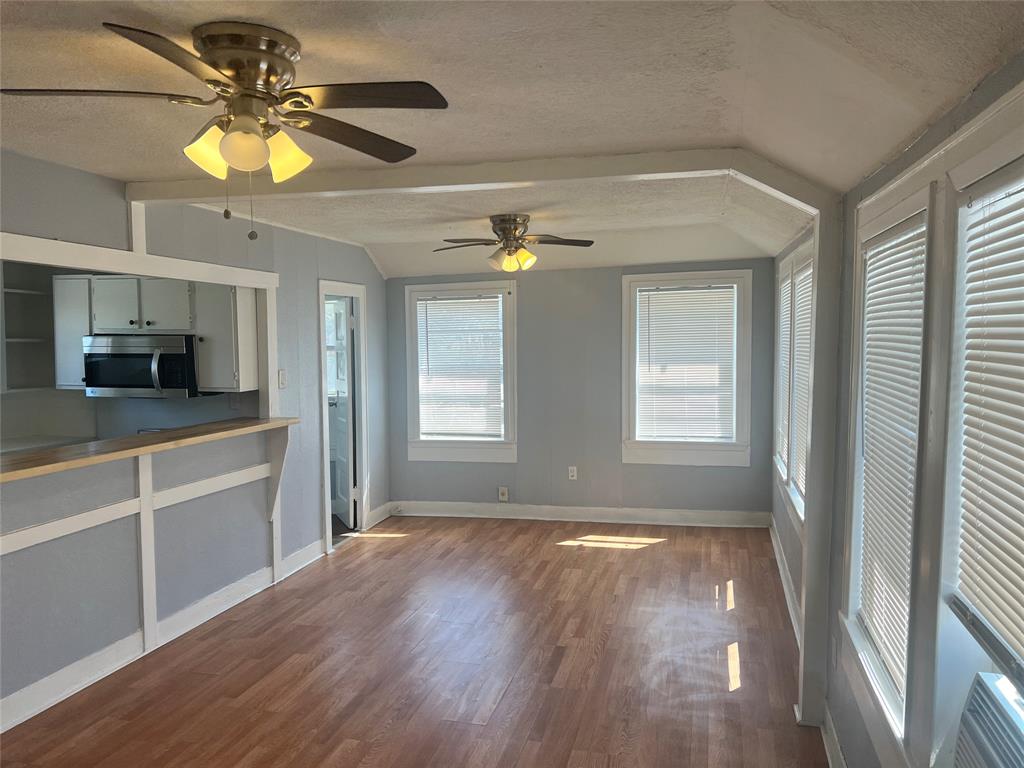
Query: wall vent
x=992, y=725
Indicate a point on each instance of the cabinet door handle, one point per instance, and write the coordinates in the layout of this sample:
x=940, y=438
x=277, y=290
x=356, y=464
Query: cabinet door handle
x=131, y=322
x=149, y=322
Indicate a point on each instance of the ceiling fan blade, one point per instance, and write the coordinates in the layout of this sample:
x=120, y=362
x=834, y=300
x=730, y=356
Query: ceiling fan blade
x=464, y=245
x=360, y=139
x=175, y=54
x=544, y=240
x=472, y=240
x=399, y=95
x=175, y=98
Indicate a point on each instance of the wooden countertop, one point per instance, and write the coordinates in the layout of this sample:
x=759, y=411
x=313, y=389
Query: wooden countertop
x=18, y=465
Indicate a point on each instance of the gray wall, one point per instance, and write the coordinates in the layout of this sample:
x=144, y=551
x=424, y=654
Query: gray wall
x=854, y=741
x=569, y=328
x=301, y=260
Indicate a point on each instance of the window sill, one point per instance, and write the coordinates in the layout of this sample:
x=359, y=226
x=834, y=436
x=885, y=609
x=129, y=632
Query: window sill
x=483, y=452
x=686, y=454
x=876, y=697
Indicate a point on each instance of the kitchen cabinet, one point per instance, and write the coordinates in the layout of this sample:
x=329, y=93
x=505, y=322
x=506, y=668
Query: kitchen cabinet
x=165, y=304
x=226, y=348
x=115, y=304
x=71, y=321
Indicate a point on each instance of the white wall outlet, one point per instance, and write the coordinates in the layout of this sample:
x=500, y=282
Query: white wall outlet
x=503, y=493
x=282, y=378
x=572, y=473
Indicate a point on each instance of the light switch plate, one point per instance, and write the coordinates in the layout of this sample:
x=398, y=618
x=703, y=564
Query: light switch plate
x=282, y=378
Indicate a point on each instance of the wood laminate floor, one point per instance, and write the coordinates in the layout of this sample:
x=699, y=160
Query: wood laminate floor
x=434, y=643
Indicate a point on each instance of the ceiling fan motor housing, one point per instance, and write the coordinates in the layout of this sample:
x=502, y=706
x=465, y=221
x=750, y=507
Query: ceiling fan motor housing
x=510, y=228
x=260, y=59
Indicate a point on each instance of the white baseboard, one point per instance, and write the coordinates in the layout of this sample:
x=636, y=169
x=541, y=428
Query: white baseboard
x=831, y=739
x=792, y=599
x=732, y=519
x=32, y=699
x=43, y=694
x=300, y=558
x=381, y=513
x=203, y=610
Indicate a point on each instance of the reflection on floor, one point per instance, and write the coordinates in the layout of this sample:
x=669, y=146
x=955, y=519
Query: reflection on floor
x=436, y=643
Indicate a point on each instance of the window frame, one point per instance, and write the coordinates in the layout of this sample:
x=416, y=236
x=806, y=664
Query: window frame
x=696, y=453
x=786, y=271
x=483, y=451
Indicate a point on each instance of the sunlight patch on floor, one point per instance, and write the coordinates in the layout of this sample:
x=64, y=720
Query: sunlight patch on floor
x=733, y=653
x=358, y=535
x=596, y=541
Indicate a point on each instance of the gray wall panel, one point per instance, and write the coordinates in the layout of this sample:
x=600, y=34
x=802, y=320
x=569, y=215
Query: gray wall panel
x=207, y=543
x=65, y=599
x=789, y=538
x=569, y=326
x=36, y=500
x=196, y=462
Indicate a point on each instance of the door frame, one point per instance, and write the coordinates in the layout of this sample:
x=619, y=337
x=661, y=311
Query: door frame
x=358, y=293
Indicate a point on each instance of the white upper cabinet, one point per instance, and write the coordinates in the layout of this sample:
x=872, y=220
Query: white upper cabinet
x=226, y=356
x=70, y=324
x=166, y=305
x=115, y=304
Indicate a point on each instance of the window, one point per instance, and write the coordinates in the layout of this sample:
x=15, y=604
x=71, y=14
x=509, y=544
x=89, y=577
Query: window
x=793, y=357
x=988, y=398
x=891, y=336
x=461, y=371
x=687, y=369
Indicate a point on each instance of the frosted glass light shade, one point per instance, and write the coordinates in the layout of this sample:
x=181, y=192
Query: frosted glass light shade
x=243, y=146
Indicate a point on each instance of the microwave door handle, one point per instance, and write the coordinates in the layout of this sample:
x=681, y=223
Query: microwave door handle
x=154, y=370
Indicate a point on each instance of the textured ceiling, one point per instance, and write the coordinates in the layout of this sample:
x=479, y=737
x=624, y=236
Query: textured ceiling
x=829, y=90
x=632, y=222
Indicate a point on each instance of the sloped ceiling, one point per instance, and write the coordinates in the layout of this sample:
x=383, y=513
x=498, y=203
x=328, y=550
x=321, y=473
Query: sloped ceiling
x=827, y=89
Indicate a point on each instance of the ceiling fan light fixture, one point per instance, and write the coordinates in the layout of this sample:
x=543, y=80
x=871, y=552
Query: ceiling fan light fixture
x=503, y=261
x=243, y=146
x=286, y=157
x=525, y=259
x=204, y=151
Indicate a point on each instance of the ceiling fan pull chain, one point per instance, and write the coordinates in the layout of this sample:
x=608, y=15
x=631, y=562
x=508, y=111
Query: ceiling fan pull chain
x=227, y=197
x=252, y=224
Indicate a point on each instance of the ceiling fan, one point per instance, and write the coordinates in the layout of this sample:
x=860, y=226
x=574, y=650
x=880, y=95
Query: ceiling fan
x=251, y=68
x=512, y=240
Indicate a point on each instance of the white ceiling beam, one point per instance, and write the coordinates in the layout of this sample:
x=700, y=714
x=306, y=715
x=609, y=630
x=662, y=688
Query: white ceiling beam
x=424, y=179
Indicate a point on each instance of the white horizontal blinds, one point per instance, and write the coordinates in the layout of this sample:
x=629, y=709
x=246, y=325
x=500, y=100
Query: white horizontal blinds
x=803, y=297
x=686, y=363
x=783, y=350
x=992, y=379
x=460, y=355
x=891, y=371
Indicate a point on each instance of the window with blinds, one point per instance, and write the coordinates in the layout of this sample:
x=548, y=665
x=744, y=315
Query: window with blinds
x=686, y=363
x=803, y=311
x=990, y=378
x=460, y=358
x=893, y=313
x=783, y=368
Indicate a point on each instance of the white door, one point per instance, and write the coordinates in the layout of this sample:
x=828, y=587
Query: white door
x=70, y=324
x=166, y=305
x=115, y=304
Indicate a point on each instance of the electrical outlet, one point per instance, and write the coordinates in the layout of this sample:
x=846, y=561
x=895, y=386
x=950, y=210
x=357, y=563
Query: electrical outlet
x=572, y=473
x=282, y=378
x=503, y=493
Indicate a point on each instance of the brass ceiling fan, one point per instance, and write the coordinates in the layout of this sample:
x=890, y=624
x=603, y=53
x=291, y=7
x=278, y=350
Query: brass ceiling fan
x=512, y=254
x=251, y=68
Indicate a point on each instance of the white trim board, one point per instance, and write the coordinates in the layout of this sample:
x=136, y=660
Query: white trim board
x=19, y=706
x=792, y=599
x=300, y=558
x=377, y=515
x=833, y=751
x=626, y=515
